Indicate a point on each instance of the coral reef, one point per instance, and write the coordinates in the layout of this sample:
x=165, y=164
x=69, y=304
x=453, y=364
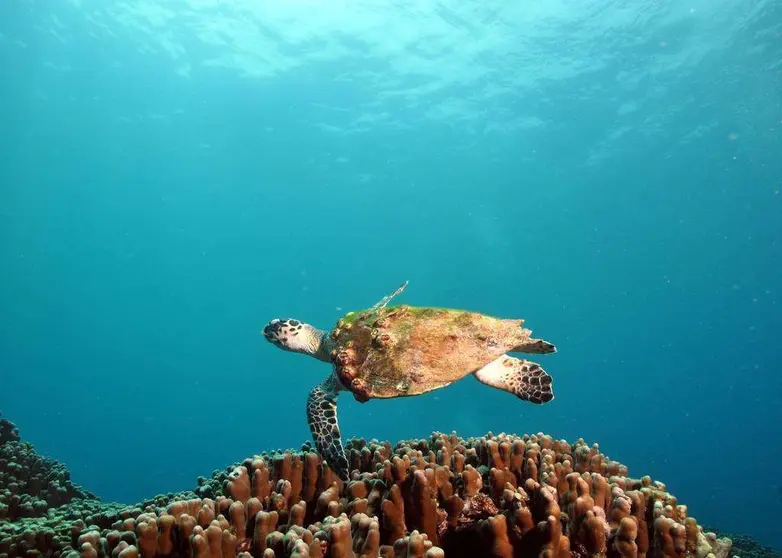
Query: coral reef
x=8, y=431
x=499, y=496
x=30, y=484
x=744, y=546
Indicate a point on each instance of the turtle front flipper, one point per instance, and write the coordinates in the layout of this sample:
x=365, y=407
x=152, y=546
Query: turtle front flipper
x=322, y=419
x=524, y=379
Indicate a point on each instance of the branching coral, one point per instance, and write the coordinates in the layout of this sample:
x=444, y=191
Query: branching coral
x=446, y=496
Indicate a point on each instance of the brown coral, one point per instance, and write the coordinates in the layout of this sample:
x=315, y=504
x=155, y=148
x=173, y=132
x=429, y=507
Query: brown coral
x=500, y=496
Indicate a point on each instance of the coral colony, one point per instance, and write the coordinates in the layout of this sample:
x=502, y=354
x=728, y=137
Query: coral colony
x=496, y=495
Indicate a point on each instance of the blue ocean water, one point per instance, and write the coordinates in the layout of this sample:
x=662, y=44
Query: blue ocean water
x=175, y=174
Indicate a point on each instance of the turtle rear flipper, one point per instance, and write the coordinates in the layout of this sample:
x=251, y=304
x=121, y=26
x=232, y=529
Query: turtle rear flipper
x=524, y=379
x=524, y=343
x=322, y=420
x=537, y=346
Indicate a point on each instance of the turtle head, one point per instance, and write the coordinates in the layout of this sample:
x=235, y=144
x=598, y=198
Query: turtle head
x=293, y=335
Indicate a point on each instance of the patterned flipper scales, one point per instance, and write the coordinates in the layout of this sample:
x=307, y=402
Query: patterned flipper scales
x=524, y=379
x=322, y=419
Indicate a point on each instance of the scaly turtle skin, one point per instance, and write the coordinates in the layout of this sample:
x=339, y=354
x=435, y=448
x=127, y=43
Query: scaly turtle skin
x=386, y=352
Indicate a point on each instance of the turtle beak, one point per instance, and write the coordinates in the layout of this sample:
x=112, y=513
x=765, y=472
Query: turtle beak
x=270, y=329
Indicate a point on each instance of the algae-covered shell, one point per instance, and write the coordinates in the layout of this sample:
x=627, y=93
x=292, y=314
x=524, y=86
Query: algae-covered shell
x=399, y=351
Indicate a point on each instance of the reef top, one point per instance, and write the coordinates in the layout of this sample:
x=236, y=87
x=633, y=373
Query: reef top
x=494, y=495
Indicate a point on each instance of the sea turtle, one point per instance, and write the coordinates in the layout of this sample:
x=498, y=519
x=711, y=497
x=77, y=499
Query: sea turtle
x=396, y=351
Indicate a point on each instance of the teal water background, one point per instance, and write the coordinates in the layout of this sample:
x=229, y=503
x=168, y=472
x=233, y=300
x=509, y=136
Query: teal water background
x=175, y=174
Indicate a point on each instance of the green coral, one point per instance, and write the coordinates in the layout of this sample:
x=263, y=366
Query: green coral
x=744, y=546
